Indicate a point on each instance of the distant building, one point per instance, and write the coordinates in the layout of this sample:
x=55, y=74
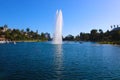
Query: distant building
x=4, y=29
x=2, y=39
x=2, y=36
x=47, y=35
x=25, y=33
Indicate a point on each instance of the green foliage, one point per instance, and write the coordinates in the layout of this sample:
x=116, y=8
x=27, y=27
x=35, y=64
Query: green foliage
x=84, y=36
x=108, y=37
x=69, y=38
x=95, y=35
x=77, y=38
x=42, y=37
x=115, y=35
x=111, y=37
x=22, y=35
x=27, y=30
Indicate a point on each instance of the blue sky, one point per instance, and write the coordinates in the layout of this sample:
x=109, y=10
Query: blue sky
x=78, y=15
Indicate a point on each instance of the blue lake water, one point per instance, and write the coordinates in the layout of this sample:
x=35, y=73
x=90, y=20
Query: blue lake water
x=69, y=61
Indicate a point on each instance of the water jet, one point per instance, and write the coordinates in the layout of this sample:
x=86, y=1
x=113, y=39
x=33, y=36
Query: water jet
x=57, y=37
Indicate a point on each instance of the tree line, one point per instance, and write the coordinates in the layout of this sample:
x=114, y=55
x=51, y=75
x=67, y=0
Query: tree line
x=19, y=35
x=95, y=35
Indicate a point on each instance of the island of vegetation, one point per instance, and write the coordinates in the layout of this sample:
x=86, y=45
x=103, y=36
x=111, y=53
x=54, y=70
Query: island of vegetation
x=108, y=37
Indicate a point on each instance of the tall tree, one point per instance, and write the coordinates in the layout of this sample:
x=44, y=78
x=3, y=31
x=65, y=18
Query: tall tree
x=28, y=30
x=93, y=35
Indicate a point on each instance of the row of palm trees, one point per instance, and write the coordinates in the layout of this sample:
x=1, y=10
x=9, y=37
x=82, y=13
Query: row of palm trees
x=114, y=26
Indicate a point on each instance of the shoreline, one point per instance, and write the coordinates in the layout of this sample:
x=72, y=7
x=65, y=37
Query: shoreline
x=110, y=42
x=28, y=41
x=99, y=42
x=13, y=41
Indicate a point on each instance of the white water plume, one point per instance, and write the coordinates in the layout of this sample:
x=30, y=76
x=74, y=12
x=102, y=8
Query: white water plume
x=57, y=37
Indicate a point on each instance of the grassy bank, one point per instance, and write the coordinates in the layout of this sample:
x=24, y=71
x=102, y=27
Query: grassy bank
x=110, y=42
x=30, y=40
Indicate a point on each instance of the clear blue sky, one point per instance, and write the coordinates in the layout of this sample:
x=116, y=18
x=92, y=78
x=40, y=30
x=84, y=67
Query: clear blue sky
x=79, y=15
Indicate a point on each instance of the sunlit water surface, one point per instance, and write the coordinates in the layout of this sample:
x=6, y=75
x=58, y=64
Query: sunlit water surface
x=69, y=61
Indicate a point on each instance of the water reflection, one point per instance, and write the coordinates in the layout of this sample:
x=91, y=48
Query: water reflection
x=58, y=61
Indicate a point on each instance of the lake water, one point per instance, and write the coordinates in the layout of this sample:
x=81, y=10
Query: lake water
x=69, y=61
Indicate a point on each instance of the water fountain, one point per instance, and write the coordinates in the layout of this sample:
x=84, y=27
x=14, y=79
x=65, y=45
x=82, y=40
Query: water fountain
x=57, y=37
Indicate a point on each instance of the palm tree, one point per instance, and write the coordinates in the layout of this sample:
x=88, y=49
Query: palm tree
x=28, y=30
x=114, y=26
x=111, y=27
x=100, y=31
x=117, y=26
